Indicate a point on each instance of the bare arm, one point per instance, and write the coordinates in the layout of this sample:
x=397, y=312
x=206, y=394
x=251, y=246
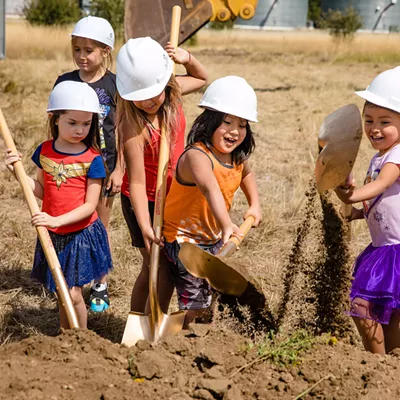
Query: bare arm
x=38, y=184
x=134, y=158
x=388, y=175
x=202, y=175
x=35, y=184
x=76, y=215
x=196, y=76
x=115, y=179
x=249, y=187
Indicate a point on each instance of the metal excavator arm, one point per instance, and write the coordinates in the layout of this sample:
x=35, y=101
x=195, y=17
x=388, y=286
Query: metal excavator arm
x=153, y=17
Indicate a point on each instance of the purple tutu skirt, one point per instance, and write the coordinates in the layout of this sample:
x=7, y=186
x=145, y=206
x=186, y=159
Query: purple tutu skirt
x=375, y=290
x=84, y=256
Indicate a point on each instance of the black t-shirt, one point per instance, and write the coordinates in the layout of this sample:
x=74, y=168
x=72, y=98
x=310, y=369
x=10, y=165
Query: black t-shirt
x=106, y=90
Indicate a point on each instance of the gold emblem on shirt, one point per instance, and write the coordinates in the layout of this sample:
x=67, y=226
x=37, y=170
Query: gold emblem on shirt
x=61, y=172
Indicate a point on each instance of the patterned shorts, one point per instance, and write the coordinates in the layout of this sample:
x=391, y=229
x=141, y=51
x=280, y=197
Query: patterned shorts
x=193, y=293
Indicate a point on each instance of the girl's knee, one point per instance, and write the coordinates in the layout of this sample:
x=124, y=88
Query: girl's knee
x=76, y=295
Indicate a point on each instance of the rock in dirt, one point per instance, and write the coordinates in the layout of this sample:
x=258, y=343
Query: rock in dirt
x=233, y=393
x=151, y=364
x=203, y=394
x=199, y=330
x=213, y=356
x=217, y=387
x=215, y=372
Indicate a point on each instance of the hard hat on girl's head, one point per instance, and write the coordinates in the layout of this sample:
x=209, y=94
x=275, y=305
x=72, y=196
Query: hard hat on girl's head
x=231, y=95
x=384, y=90
x=70, y=95
x=143, y=69
x=95, y=28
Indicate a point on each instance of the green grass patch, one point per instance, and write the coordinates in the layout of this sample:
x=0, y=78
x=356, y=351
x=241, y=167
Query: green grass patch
x=286, y=352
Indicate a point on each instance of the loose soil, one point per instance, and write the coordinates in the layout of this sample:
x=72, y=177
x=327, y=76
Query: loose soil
x=202, y=363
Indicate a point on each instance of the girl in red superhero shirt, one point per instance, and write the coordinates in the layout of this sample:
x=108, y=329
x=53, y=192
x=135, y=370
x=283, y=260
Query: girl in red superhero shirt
x=69, y=179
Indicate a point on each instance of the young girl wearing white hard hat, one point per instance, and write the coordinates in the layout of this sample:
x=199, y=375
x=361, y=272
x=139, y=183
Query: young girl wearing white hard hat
x=92, y=42
x=213, y=166
x=148, y=95
x=375, y=289
x=70, y=171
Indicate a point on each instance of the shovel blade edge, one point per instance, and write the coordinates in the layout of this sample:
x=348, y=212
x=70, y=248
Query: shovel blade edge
x=170, y=325
x=138, y=327
x=221, y=276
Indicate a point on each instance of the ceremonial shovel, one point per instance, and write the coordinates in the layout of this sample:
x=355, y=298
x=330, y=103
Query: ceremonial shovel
x=221, y=276
x=338, y=140
x=44, y=237
x=157, y=325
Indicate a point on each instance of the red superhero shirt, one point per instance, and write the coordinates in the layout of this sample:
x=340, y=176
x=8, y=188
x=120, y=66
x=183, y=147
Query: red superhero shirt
x=151, y=152
x=65, y=181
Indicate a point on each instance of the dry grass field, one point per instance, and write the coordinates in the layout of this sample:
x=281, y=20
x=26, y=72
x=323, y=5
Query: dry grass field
x=299, y=77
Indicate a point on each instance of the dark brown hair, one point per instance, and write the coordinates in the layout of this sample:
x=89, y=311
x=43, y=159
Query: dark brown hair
x=91, y=140
x=207, y=123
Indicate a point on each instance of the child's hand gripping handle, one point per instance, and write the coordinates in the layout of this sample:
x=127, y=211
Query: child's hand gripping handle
x=347, y=209
x=233, y=243
x=42, y=232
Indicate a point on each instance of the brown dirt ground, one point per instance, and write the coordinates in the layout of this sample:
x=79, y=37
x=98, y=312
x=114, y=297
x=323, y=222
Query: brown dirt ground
x=203, y=363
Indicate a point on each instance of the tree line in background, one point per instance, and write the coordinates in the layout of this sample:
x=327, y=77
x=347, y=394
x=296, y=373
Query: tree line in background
x=340, y=24
x=64, y=12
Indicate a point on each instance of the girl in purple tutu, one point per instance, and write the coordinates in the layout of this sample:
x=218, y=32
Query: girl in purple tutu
x=375, y=291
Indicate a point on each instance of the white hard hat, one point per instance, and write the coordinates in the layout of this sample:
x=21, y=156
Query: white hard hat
x=143, y=69
x=231, y=95
x=95, y=28
x=70, y=95
x=384, y=90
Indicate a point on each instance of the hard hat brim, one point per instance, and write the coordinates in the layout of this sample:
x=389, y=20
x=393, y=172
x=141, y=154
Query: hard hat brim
x=377, y=100
x=93, y=38
x=147, y=93
x=92, y=110
x=239, y=114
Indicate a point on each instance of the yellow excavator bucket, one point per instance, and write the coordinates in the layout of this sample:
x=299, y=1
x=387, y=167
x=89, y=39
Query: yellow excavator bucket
x=153, y=17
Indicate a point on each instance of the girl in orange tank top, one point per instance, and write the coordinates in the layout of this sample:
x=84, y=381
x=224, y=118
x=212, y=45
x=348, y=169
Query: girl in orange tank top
x=209, y=172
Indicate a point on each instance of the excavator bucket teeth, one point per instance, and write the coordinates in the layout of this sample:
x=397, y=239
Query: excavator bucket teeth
x=153, y=18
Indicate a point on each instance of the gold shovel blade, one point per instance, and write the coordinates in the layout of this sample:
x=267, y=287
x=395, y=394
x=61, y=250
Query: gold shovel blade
x=139, y=327
x=340, y=138
x=221, y=276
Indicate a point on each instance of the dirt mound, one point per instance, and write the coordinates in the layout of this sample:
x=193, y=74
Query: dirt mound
x=202, y=363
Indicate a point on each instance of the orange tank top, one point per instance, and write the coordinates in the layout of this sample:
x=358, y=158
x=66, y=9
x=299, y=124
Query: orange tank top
x=187, y=215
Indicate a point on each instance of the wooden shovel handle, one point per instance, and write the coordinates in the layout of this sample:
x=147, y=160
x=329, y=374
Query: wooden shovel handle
x=233, y=243
x=347, y=209
x=175, y=28
x=42, y=231
x=161, y=187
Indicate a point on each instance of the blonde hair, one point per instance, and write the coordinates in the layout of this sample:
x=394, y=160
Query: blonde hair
x=168, y=112
x=107, y=61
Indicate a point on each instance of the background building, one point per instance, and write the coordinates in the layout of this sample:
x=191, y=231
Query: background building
x=279, y=14
x=14, y=7
x=378, y=15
